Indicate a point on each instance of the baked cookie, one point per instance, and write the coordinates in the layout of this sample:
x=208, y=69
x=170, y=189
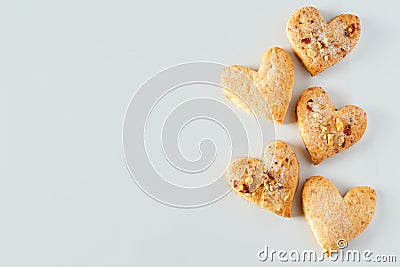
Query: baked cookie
x=334, y=219
x=271, y=183
x=266, y=92
x=324, y=129
x=318, y=44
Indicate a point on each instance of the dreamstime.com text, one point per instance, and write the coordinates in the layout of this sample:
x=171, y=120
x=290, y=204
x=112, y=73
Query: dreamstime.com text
x=271, y=255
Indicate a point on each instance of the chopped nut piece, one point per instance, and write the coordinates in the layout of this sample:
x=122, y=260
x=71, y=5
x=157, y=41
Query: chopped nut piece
x=248, y=180
x=306, y=40
x=321, y=50
x=271, y=188
x=320, y=45
x=266, y=183
x=285, y=198
x=347, y=130
x=310, y=104
x=326, y=58
x=330, y=140
x=235, y=183
x=324, y=129
x=316, y=115
x=240, y=187
x=350, y=30
x=339, y=125
x=325, y=42
x=311, y=53
x=341, y=140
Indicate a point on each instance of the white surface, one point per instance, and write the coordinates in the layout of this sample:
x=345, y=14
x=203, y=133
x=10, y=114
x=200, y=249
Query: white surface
x=68, y=71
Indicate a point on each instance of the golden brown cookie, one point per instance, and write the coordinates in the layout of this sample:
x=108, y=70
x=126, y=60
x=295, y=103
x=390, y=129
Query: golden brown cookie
x=266, y=92
x=335, y=219
x=318, y=44
x=270, y=184
x=326, y=130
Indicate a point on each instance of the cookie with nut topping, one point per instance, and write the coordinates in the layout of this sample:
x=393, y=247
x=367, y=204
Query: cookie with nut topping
x=270, y=183
x=326, y=130
x=318, y=44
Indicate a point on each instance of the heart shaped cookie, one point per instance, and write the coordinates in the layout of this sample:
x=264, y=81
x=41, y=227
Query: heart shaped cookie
x=326, y=130
x=271, y=183
x=266, y=92
x=334, y=219
x=318, y=44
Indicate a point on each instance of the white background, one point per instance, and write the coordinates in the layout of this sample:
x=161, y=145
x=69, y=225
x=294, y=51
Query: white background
x=68, y=70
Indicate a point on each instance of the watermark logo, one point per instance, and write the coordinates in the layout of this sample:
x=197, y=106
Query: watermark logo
x=180, y=133
x=340, y=255
x=341, y=243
